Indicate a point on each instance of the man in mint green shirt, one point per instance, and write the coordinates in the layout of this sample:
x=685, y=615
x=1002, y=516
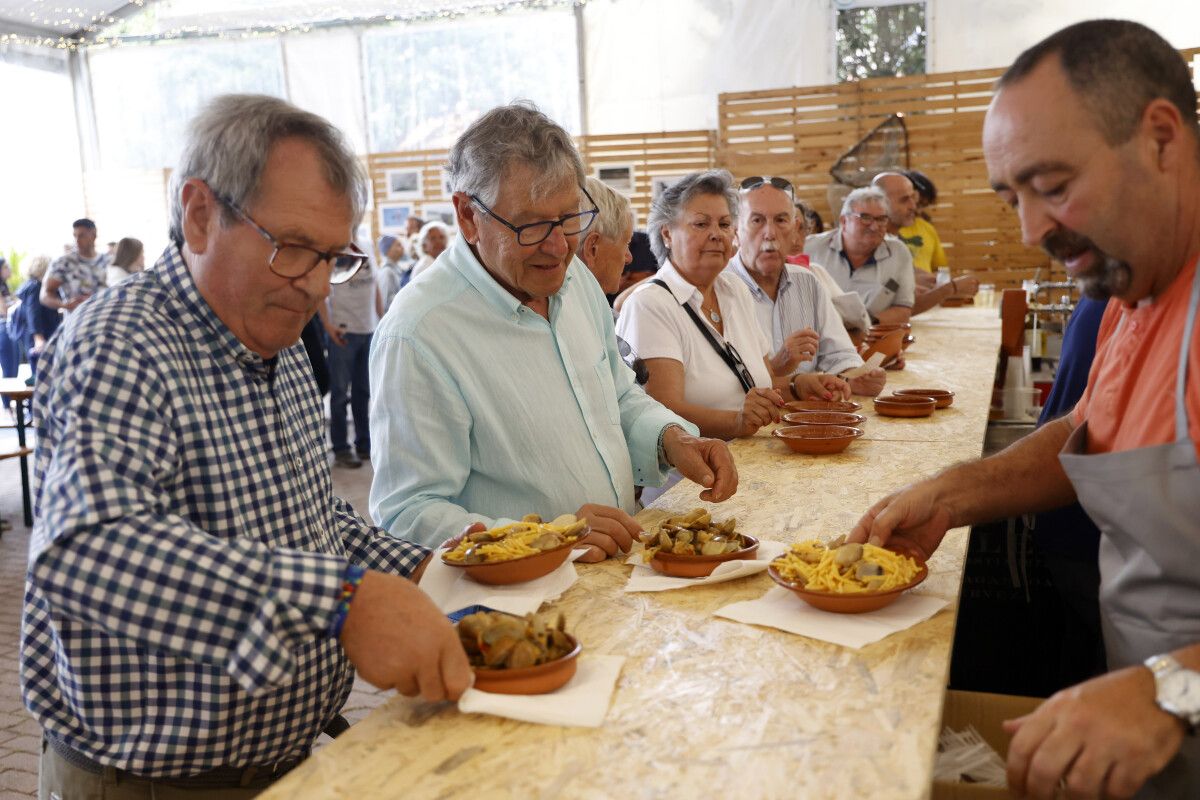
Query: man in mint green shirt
x=497, y=388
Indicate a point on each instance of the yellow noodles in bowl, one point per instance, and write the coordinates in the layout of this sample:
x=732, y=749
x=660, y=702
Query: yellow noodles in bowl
x=818, y=568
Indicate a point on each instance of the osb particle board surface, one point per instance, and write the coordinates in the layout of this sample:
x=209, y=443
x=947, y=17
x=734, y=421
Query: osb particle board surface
x=706, y=707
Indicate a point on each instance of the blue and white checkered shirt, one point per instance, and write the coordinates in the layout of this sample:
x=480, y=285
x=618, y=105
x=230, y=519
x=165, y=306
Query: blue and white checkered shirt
x=188, y=551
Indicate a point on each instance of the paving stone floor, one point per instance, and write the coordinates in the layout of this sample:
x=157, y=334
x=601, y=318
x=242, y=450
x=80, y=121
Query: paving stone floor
x=19, y=733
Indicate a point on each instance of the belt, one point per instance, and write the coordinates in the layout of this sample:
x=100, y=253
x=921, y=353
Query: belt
x=253, y=777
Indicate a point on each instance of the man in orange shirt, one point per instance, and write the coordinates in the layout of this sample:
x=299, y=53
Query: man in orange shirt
x=1093, y=138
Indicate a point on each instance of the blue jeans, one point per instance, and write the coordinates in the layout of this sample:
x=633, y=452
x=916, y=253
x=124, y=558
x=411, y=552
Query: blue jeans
x=348, y=371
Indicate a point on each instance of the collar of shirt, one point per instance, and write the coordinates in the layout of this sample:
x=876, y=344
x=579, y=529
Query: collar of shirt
x=463, y=259
x=181, y=287
x=681, y=289
x=736, y=266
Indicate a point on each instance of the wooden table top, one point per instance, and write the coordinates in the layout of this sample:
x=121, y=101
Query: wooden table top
x=15, y=387
x=707, y=707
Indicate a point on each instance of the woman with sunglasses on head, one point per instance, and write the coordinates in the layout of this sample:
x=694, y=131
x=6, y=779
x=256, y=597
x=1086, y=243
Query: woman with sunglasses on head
x=695, y=326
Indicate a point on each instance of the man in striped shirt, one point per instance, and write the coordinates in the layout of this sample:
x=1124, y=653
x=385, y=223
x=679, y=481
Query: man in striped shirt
x=792, y=307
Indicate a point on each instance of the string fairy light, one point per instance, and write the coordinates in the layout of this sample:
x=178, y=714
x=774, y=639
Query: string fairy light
x=106, y=30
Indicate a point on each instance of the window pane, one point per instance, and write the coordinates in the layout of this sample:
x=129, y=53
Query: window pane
x=145, y=95
x=880, y=42
x=427, y=82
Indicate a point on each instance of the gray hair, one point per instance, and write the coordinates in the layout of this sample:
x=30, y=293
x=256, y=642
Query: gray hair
x=669, y=205
x=229, y=141
x=37, y=266
x=423, y=234
x=866, y=194
x=511, y=136
x=615, y=210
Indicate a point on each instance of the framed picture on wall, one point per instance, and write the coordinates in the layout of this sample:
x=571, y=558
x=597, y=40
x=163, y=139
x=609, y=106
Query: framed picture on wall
x=394, y=216
x=660, y=182
x=443, y=212
x=617, y=176
x=403, y=184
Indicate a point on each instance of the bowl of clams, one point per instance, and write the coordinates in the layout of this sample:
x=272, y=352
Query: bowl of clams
x=518, y=655
x=518, y=552
x=692, y=545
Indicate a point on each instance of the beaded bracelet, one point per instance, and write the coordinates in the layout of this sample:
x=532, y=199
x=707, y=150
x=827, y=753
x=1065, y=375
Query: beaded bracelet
x=351, y=580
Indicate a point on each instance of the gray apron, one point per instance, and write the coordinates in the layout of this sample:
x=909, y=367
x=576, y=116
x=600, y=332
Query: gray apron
x=1146, y=503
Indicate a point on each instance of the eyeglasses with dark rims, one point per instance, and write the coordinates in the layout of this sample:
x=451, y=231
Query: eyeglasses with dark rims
x=291, y=260
x=538, y=232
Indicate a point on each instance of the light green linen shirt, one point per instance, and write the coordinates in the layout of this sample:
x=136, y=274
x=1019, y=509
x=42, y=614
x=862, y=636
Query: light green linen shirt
x=482, y=410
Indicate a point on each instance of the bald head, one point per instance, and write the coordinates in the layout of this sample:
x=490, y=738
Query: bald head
x=902, y=199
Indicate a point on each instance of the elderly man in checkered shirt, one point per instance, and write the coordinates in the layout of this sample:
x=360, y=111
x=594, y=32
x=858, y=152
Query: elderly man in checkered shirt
x=197, y=598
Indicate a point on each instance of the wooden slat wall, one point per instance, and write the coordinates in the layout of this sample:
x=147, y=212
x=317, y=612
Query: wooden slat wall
x=798, y=133
x=429, y=162
x=650, y=155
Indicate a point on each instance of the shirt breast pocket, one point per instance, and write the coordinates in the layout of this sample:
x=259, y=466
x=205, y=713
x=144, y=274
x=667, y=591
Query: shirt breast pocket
x=606, y=391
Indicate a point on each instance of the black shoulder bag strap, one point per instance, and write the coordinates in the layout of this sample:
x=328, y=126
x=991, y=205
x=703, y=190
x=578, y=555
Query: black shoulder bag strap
x=723, y=352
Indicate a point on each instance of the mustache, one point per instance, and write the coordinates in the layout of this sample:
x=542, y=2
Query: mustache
x=768, y=247
x=1107, y=278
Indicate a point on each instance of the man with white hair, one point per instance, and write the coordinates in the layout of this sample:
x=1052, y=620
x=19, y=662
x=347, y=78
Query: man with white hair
x=792, y=307
x=861, y=257
x=604, y=248
x=518, y=401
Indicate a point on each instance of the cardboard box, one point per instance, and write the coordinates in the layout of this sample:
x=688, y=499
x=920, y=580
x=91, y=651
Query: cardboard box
x=985, y=712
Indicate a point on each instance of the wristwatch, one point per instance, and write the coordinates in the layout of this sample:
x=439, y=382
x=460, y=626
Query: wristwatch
x=1177, y=689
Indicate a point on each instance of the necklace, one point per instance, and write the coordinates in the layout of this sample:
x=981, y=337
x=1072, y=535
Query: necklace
x=714, y=316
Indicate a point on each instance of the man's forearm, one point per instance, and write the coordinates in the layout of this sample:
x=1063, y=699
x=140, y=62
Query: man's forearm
x=894, y=314
x=1025, y=477
x=931, y=298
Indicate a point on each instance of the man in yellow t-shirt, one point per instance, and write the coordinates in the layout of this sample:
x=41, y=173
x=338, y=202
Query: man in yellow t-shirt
x=902, y=221
x=924, y=244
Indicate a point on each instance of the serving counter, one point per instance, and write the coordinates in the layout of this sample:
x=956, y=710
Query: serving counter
x=706, y=707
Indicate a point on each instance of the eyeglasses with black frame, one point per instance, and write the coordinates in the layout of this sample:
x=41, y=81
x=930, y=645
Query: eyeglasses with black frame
x=290, y=260
x=538, y=232
x=742, y=369
x=870, y=220
x=782, y=184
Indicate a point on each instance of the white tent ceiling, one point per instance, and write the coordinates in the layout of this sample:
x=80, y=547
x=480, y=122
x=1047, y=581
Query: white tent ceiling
x=87, y=21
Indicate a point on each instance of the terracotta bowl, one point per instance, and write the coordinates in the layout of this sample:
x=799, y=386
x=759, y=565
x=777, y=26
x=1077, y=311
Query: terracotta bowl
x=846, y=406
x=516, y=570
x=677, y=566
x=817, y=440
x=877, y=332
x=943, y=397
x=905, y=406
x=824, y=418
x=530, y=680
x=855, y=603
x=890, y=344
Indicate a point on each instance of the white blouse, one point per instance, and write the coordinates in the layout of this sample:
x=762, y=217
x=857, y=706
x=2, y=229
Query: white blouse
x=655, y=326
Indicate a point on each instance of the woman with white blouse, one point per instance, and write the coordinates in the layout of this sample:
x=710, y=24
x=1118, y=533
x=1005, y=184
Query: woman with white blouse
x=695, y=327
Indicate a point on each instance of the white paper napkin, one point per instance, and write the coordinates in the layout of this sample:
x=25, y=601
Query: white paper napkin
x=582, y=703
x=450, y=589
x=871, y=363
x=645, y=579
x=781, y=609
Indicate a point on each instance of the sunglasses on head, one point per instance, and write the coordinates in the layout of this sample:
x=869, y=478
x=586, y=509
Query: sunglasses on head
x=782, y=184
